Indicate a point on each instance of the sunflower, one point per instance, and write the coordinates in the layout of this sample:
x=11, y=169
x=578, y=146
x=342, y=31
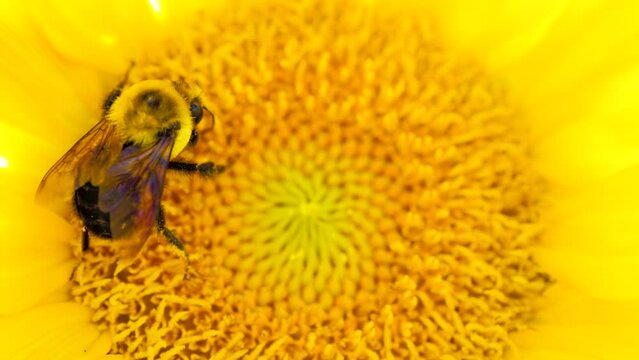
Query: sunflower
x=445, y=181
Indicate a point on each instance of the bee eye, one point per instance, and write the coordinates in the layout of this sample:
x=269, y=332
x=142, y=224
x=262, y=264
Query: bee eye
x=111, y=99
x=196, y=112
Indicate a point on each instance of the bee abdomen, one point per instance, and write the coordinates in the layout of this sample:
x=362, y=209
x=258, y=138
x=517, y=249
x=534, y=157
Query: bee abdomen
x=85, y=200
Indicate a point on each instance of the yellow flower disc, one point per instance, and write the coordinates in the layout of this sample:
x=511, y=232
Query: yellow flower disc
x=298, y=241
x=378, y=201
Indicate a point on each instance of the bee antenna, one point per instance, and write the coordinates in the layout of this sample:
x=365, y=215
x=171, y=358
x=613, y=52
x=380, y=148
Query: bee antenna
x=209, y=111
x=126, y=74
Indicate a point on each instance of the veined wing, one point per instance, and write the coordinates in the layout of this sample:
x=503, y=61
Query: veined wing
x=132, y=188
x=88, y=158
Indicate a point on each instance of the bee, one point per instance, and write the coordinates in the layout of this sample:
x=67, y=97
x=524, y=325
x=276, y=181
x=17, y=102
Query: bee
x=113, y=177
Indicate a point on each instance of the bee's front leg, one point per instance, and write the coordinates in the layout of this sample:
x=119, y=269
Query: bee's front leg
x=206, y=169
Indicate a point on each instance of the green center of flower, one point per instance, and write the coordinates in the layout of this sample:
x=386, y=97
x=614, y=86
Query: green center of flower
x=298, y=240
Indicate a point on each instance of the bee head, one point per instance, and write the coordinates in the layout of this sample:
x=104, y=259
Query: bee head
x=150, y=109
x=155, y=107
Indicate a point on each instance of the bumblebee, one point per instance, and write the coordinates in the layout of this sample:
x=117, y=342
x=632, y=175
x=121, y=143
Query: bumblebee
x=113, y=177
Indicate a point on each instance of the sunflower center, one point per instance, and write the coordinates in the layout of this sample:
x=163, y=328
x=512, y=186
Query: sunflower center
x=378, y=201
x=297, y=242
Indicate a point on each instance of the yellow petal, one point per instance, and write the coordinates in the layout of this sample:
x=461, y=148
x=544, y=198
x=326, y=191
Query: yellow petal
x=116, y=31
x=562, y=79
x=35, y=260
x=573, y=325
x=556, y=56
x=56, y=331
x=28, y=158
x=608, y=277
x=579, y=46
x=499, y=31
x=99, y=348
x=37, y=95
x=592, y=241
x=599, y=144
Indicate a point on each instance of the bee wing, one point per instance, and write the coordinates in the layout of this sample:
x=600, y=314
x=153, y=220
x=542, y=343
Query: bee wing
x=87, y=158
x=132, y=188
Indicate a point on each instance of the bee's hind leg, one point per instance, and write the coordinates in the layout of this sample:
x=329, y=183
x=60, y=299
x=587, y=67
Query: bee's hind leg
x=85, y=248
x=170, y=236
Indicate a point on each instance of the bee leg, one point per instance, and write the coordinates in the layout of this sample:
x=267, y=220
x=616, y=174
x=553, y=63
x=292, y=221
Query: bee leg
x=206, y=169
x=168, y=234
x=85, y=239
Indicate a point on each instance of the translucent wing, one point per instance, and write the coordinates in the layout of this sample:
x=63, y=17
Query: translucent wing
x=132, y=187
x=87, y=159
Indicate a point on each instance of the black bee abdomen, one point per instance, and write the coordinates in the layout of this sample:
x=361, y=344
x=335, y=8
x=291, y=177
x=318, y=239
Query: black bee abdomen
x=96, y=221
